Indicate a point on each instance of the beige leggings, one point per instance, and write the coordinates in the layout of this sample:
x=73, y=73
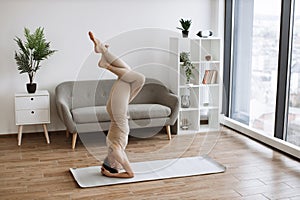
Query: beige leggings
x=124, y=90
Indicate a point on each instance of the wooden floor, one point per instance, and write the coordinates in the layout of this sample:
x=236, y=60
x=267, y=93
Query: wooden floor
x=37, y=170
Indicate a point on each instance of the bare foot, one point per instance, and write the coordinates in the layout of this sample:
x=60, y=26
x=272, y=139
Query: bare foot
x=99, y=47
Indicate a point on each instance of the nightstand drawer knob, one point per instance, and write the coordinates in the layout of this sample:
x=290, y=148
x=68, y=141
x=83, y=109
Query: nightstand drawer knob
x=32, y=112
x=31, y=98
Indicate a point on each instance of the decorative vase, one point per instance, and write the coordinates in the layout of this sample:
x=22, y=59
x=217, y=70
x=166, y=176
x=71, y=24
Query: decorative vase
x=208, y=57
x=185, y=101
x=31, y=88
x=184, y=124
x=185, y=34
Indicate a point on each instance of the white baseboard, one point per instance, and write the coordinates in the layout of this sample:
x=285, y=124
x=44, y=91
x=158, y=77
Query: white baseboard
x=269, y=140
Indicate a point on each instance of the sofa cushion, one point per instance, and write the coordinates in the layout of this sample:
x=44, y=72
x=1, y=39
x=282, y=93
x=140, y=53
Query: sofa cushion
x=90, y=114
x=136, y=111
x=147, y=111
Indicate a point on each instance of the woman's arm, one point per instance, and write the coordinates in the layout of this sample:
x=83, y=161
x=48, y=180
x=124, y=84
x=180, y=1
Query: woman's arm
x=116, y=175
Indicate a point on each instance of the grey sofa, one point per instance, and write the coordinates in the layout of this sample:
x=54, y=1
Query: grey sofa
x=81, y=105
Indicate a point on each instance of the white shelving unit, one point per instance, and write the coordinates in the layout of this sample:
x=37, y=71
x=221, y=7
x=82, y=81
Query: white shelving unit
x=205, y=99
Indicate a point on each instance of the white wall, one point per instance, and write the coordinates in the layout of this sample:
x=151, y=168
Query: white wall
x=126, y=25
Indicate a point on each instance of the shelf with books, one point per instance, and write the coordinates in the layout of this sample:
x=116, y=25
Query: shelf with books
x=210, y=76
x=202, y=93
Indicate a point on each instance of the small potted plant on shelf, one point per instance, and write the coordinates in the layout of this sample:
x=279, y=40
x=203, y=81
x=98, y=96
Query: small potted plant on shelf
x=185, y=25
x=187, y=65
x=31, y=52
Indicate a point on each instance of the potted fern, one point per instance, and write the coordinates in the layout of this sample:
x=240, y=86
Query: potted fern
x=31, y=52
x=185, y=26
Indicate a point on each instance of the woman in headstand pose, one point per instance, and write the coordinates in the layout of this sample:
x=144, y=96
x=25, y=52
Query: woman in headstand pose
x=124, y=90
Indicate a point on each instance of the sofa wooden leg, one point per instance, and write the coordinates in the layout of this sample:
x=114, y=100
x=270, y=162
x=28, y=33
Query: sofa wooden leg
x=67, y=134
x=74, y=140
x=169, y=132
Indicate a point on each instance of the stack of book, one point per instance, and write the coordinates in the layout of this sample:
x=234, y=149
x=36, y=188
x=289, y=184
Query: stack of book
x=210, y=77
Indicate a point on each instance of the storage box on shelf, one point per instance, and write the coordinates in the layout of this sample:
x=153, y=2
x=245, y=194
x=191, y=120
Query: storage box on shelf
x=204, y=89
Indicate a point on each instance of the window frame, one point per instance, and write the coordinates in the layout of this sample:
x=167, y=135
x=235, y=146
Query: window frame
x=283, y=79
x=284, y=68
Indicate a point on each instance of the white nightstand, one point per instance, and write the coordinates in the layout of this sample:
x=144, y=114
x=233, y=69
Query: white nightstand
x=32, y=109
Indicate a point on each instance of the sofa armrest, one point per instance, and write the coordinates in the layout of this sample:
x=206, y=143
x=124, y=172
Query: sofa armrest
x=66, y=117
x=172, y=101
x=63, y=106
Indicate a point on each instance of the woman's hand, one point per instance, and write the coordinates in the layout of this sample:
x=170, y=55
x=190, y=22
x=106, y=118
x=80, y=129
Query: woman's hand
x=105, y=172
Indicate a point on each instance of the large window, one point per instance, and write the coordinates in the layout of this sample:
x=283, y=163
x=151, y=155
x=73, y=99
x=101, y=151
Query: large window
x=262, y=67
x=293, y=133
x=255, y=60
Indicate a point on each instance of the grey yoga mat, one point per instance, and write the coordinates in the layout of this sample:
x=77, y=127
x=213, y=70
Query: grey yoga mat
x=150, y=170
